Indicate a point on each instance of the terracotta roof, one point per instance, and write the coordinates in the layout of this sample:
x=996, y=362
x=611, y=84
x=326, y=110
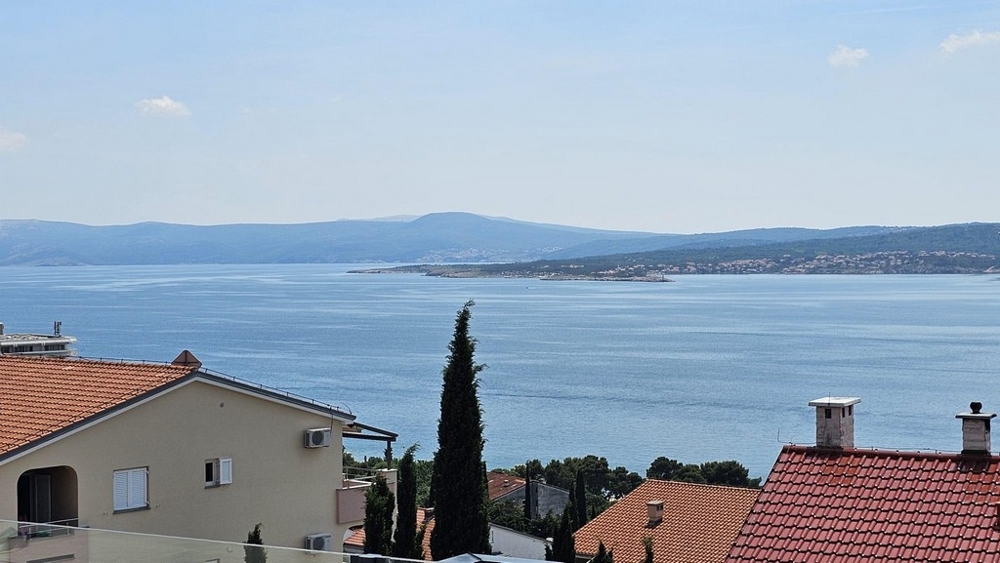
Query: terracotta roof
x=357, y=537
x=855, y=505
x=501, y=484
x=699, y=523
x=40, y=396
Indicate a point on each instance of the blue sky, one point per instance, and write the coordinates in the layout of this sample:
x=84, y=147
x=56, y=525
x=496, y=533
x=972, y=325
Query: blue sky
x=657, y=116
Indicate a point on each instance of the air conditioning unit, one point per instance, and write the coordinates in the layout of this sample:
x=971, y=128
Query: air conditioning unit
x=318, y=438
x=319, y=542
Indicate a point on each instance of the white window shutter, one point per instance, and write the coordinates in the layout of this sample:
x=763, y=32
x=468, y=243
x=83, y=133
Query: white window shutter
x=121, y=490
x=137, y=488
x=225, y=471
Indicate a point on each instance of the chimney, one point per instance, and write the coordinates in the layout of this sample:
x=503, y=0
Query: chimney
x=1, y=329
x=187, y=359
x=57, y=328
x=835, y=421
x=654, y=509
x=975, y=429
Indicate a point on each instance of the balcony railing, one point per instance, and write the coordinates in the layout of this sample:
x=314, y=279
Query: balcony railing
x=67, y=543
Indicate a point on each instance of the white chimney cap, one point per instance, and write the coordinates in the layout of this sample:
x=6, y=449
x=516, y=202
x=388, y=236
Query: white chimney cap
x=834, y=402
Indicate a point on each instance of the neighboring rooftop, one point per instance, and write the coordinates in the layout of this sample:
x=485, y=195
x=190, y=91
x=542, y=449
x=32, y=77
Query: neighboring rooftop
x=500, y=484
x=40, y=396
x=829, y=505
x=55, y=344
x=694, y=523
x=44, y=397
x=355, y=542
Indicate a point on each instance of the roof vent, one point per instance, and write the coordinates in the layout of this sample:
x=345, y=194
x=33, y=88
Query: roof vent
x=976, y=429
x=654, y=509
x=835, y=421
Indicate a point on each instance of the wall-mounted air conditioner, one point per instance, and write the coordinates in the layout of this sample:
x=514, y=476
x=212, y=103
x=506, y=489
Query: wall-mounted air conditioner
x=319, y=542
x=318, y=438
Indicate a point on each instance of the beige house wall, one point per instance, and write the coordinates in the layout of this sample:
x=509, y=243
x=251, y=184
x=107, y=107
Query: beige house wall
x=276, y=480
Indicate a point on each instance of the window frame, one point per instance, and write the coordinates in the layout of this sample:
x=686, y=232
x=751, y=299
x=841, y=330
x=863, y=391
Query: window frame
x=129, y=482
x=222, y=472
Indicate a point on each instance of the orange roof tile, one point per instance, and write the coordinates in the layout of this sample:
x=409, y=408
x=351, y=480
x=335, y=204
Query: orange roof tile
x=500, y=484
x=357, y=537
x=699, y=523
x=40, y=396
x=854, y=505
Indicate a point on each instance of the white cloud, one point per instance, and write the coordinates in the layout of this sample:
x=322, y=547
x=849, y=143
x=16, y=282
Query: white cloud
x=11, y=141
x=163, y=106
x=955, y=42
x=845, y=56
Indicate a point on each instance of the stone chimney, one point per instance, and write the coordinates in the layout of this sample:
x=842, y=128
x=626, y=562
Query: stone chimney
x=976, y=429
x=654, y=509
x=835, y=421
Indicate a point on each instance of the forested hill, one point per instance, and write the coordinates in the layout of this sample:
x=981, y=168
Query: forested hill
x=966, y=248
x=437, y=238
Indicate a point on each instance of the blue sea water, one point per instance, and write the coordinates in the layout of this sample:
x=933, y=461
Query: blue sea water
x=706, y=368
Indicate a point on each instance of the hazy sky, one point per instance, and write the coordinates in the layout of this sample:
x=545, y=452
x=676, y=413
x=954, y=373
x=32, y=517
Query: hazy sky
x=659, y=116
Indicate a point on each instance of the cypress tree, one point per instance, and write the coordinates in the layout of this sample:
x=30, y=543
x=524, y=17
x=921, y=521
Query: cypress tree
x=405, y=541
x=460, y=525
x=252, y=552
x=529, y=513
x=580, y=499
x=647, y=543
x=379, y=505
x=603, y=555
x=563, y=546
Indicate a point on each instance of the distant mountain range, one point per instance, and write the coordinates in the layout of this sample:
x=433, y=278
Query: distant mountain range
x=448, y=238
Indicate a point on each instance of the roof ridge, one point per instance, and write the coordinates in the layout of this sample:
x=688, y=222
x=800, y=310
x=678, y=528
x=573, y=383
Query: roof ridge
x=884, y=452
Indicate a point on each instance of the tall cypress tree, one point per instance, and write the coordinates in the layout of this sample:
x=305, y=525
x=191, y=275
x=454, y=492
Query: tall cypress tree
x=563, y=546
x=405, y=541
x=580, y=499
x=460, y=524
x=379, y=505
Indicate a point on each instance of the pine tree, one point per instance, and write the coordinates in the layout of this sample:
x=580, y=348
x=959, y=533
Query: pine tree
x=379, y=505
x=404, y=544
x=252, y=552
x=459, y=489
x=647, y=544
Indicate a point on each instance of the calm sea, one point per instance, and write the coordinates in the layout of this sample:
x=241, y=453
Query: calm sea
x=707, y=368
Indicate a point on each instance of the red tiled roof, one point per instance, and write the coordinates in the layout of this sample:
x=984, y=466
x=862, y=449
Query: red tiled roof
x=39, y=396
x=856, y=505
x=699, y=523
x=500, y=484
x=357, y=537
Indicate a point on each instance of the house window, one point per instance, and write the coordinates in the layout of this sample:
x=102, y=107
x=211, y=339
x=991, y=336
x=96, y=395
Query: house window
x=130, y=489
x=218, y=472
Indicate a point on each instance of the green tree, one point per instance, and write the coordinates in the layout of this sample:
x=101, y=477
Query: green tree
x=563, y=547
x=379, y=505
x=459, y=489
x=730, y=473
x=621, y=482
x=529, y=511
x=603, y=555
x=664, y=469
x=690, y=473
x=507, y=514
x=647, y=544
x=580, y=499
x=404, y=541
x=252, y=550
